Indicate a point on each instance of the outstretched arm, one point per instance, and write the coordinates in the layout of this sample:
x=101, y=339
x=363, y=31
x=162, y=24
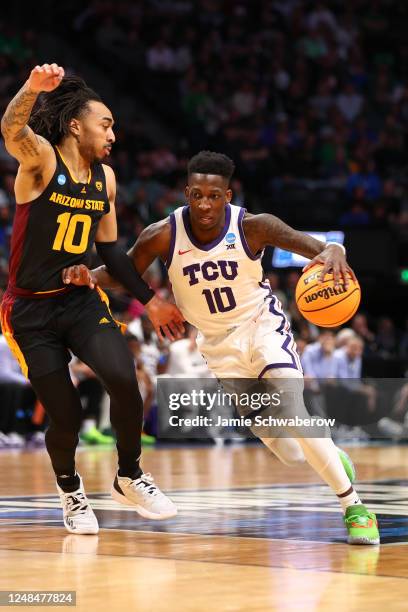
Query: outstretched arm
x=265, y=229
x=153, y=242
x=31, y=150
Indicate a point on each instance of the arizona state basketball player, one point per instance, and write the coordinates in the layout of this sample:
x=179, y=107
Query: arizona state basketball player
x=65, y=202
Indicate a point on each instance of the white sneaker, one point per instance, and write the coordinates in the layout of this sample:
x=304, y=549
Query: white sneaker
x=389, y=427
x=16, y=440
x=38, y=438
x=4, y=441
x=78, y=514
x=144, y=495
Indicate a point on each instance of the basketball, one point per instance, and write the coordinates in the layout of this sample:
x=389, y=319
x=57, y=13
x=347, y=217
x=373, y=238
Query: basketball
x=324, y=305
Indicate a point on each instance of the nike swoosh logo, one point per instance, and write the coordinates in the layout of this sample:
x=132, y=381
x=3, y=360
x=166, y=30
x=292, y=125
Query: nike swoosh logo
x=184, y=252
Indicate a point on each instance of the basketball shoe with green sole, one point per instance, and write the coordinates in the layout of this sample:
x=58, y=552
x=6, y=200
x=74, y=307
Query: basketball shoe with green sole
x=147, y=440
x=347, y=464
x=361, y=525
x=95, y=437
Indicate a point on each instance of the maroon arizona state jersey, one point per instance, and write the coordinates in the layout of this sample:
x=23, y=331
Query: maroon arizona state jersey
x=56, y=230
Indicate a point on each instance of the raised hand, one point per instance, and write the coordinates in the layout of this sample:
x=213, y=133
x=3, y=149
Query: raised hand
x=45, y=78
x=333, y=260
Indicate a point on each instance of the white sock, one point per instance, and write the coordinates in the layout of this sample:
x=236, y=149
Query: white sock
x=351, y=499
x=87, y=425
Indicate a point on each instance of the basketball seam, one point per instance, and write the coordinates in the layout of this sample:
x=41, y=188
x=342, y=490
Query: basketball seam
x=330, y=305
x=346, y=318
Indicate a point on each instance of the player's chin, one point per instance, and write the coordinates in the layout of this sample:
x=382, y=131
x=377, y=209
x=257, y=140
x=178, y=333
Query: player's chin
x=105, y=152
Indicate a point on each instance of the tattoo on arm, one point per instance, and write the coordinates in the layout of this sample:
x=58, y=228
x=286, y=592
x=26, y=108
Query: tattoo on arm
x=28, y=144
x=274, y=232
x=17, y=114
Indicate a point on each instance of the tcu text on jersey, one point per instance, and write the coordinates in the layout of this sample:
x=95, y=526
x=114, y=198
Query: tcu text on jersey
x=211, y=270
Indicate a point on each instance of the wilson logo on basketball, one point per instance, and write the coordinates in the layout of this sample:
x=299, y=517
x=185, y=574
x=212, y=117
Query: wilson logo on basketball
x=325, y=293
x=324, y=304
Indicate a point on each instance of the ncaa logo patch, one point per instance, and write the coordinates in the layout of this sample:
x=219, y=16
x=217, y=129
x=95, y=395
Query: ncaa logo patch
x=230, y=237
x=61, y=179
x=98, y=185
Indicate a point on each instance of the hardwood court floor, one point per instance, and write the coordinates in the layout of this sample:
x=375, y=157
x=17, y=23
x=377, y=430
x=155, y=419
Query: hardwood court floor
x=251, y=534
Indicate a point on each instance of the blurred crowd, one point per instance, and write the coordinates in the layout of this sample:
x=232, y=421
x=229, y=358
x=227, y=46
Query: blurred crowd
x=309, y=98
x=296, y=92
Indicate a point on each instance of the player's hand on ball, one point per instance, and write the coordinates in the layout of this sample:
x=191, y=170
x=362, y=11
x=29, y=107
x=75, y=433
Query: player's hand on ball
x=78, y=275
x=166, y=318
x=333, y=260
x=45, y=78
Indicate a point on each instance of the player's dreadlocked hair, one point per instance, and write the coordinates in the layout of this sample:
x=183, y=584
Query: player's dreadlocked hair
x=56, y=108
x=208, y=162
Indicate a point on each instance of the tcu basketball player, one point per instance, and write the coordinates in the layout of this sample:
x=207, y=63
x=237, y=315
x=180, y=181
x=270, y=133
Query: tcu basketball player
x=212, y=250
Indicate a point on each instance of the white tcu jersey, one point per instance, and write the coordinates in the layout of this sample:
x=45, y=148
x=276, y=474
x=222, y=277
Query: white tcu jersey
x=217, y=286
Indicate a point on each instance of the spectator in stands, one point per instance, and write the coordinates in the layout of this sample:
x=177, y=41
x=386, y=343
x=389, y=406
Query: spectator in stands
x=16, y=395
x=365, y=182
x=359, y=325
x=348, y=368
x=321, y=15
x=184, y=358
x=150, y=352
x=349, y=102
x=357, y=400
x=386, y=338
x=318, y=358
x=160, y=57
x=358, y=214
x=348, y=359
x=243, y=100
x=343, y=336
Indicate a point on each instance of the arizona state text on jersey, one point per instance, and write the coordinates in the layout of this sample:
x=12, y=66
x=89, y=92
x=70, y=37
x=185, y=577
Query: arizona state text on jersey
x=56, y=230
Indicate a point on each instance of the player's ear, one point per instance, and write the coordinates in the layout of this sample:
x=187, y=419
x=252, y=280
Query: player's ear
x=74, y=127
x=228, y=195
x=187, y=192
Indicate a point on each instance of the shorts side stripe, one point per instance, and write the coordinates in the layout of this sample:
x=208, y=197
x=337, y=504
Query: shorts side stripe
x=277, y=309
x=7, y=328
x=105, y=299
x=289, y=340
x=272, y=366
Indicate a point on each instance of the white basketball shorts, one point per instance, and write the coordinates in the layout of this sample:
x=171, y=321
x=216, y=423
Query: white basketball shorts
x=261, y=347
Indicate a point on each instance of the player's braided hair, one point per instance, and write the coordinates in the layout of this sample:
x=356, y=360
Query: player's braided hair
x=208, y=162
x=56, y=108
